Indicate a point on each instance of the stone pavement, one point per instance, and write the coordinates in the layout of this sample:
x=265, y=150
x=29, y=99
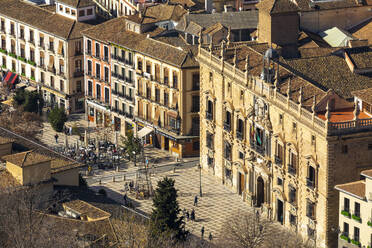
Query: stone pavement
x=216, y=206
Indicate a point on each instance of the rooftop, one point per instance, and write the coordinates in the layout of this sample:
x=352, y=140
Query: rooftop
x=309, y=5
x=365, y=95
x=77, y=3
x=106, y=30
x=367, y=173
x=27, y=158
x=343, y=115
x=86, y=209
x=363, y=31
x=277, y=6
x=158, y=13
x=42, y=19
x=59, y=164
x=357, y=189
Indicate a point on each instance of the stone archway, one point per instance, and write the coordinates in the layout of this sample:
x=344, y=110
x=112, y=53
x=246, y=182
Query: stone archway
x=260, y=191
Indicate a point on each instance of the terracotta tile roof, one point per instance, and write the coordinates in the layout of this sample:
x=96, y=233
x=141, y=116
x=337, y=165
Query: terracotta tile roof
x=5, y=140
x=28, y=158
x=187, y=3
x=365, y=95
x=255, y=52
x=84, y=208
x=367, y=173
x=59, y=164
x=361, y=56
x=305, y=5
x=214, y=28
x=7, y=180
x=328, y=69
x=357, y=188
x=343, y=115
x=158, y=13
x=105, y=31
x=363, y=31
x=77, y=3
x=154, y=48
x=41, y=19
x=277, y=6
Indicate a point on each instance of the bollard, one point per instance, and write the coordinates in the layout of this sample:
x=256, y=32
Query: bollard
x=174, y=170
x=124, y=178
x=99, y=181
x=113, y=179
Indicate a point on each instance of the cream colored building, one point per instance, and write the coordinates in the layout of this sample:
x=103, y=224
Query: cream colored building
x=355, y=215
x=45, y=47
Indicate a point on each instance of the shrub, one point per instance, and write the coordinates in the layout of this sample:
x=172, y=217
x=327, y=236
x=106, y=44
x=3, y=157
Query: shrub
x=57, y=118
x=355, y=242
x=369, y=223
x=357, y=218
x=345, y=213
x=344, y=237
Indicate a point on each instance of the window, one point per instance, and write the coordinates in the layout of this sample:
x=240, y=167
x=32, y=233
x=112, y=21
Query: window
x=175, y=80
x=310, y=232
x=12, y=28
x=106, y=53
x=89, y=46
x=67, y=10
x=98, y=91
x=209, y=137
x=313, y=140
x=90, y=88
x=292, y=162
x=195, y=81
x=195, y=104
x=89, y=67
x=81, y=13
x=106, y=74
x=240, y=129
x=139, y=64
x=89, y=12
x=73, y=12
x=292, y=219
x=42, y=77
x=279, y=154
x=22, y=33
x=280, y=119
x=78, y=65
x=107, y=95
x=210, y=76
x=292, y=194
x=78, y=86
x=227, y=151
x=241, y=155
x=52, y=81
x=98, y=70
x=51, y=44
x=344, y=149
x=157, y=95
x=227, y=124
x=356, y=234
x=357, y=209
x=310, y=210
x=97, y=50
x=31, y=36
x=346, y=229
x=346, y=204
x=196, y=145
x=77, y=47
x=294, y=127
x=279, y=181
x=61, y=85
x=311, y=177
x=166, y=98
x=32, y=55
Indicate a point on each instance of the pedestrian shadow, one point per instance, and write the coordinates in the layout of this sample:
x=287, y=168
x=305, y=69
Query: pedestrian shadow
x=202, y=220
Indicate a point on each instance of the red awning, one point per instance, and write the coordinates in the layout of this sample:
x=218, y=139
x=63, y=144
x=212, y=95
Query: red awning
x=10, y=77
x=7, y=77
x=13, y=78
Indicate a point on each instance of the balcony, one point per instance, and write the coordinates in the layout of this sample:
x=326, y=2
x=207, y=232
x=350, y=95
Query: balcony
x=310, y=183
x=278, y=160
x=78, y=74
x=239, y=135
x=208, y=115
x=227, y=126
x=291, y=169
x=129, y=98
x=257, y=148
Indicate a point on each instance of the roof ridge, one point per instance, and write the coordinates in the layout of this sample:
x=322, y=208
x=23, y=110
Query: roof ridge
x=25, y=157
x=72, y=27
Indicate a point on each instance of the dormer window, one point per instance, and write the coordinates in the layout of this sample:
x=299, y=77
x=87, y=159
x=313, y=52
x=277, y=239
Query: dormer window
x=81, y=13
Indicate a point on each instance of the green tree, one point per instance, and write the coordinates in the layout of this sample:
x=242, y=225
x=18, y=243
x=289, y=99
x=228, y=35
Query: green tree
x=132, y=145
x=165, y=222
x=33, y=102
x=57, y=118
x=19, y=97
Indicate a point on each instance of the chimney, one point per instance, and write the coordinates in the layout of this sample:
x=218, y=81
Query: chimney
x=208, y=5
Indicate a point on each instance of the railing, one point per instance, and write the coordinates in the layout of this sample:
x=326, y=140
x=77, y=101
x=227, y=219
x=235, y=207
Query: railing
x=291, y=169
x=227, y=126
x=310, y=183
x=239, y=135
x=278, y=160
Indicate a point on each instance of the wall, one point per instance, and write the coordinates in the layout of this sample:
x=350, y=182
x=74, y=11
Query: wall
x=5, y=149
x=36, y=173
x=67, y=178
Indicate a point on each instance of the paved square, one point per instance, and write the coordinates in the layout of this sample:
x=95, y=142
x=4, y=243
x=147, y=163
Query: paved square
x=214, y=208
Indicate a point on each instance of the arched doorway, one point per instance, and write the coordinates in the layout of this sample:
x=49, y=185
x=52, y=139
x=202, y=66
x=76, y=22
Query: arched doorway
x=260, y=192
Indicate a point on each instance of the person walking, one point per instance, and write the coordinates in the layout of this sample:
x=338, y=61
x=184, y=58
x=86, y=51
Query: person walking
x=192, y=216
x=125, y=199
x=210, y=237
x=70, y=131
x=187, y=215
x=56, y=137
x=196, y=201
x=202, y=232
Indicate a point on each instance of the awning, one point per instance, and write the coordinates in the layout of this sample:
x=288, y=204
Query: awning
x=10, y=77
x=30, y=88
x=21, y=85
x=8, y=102
x=144, y=131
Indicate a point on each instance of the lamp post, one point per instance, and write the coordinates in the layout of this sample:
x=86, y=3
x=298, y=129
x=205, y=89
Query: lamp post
x=134, y=159
x=200, y=180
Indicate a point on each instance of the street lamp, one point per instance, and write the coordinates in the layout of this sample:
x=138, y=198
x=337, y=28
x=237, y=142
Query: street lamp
x=134, y=158
x=201, y=192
